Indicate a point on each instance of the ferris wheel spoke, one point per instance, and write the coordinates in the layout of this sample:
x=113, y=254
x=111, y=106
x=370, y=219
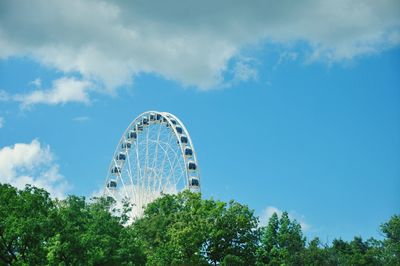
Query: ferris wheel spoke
x=163, y=163
x=142, y=180
x=130, y=171
x=172, y=170
x=156, y=147
x=171, y=161
x=181, y=170
x=122, y=180
x=146, y=159
x=158, y=177
x=163, y=181
x=139, y=171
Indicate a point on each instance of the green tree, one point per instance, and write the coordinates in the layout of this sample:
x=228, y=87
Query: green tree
x=189, y=231
x=89, y=234
x=180, y=229
x=131, y=249
x=67, y=246
x=232, y=260
x=183, y=229
x=25, y=225
x=340, y=251
x=357, y=252
x=282, y=242
x=267, y=253
x=232, y=230
x=361, y=253
x=154, y=231
x=316, y=254
x=391, y=231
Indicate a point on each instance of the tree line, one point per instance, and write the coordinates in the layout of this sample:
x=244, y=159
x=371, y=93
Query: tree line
x=181, y=229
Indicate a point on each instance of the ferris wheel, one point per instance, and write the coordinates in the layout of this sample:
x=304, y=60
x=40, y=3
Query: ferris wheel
x=154, y=156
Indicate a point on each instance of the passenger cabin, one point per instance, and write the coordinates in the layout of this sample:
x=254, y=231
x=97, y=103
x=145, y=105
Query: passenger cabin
x=158, y=117
x=120, y=156
x=132, y=135
x=126, y=145
x=194, y=182
x=112, y=184
x=145, y=120
x=115, y=170
x=184, y=139
x=139, y=127
x=179, y=129
x=109, y=198
x=152, y=117
x=192, y=166
x=188, y=151
x=173, y=121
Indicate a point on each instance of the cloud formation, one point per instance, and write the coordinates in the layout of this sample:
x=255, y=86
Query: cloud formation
x=63, y=90
x=270, y=210
x=31, y=163
x=191, y=42
x=4, y=96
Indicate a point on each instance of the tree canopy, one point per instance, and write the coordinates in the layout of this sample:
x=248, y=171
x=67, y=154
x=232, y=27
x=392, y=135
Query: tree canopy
x=181, y=229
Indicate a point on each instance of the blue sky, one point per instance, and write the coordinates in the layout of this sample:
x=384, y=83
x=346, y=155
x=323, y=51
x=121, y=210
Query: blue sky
x=290, y=107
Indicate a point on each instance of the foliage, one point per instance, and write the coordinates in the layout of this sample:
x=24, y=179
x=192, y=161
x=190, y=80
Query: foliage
x=25, y=224
x=282, y=242
x=181, y=229
x=391, y=230
x=357, y=252
x=35, y=230
x=316, y=254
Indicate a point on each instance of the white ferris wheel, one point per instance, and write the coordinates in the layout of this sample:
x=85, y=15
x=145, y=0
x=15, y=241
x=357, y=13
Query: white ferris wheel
x=154, y=156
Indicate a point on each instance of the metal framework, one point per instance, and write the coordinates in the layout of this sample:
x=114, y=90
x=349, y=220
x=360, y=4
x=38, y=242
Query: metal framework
x=154, y=156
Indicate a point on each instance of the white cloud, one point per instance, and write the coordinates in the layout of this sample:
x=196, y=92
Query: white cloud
x=191, y=42
x=286, y=56
x=244, y=70
x=1, y=122
x=4, y=96
x=270, y=210
x=63, y=90
x=31, y=163
x=36, y=83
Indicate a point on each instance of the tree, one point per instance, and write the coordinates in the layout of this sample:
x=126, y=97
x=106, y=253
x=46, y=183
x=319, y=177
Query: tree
x=232, y=260
x=232, y=230
x=357, y=252
x=267, y=252
x=391, y=244
x=282, y=242
x=183, y=229
x=89, y=234
x=316, y=254
x=25, y=225
x=152, y=230
x=67, y=246
x=131, y=249
x=171, y=231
